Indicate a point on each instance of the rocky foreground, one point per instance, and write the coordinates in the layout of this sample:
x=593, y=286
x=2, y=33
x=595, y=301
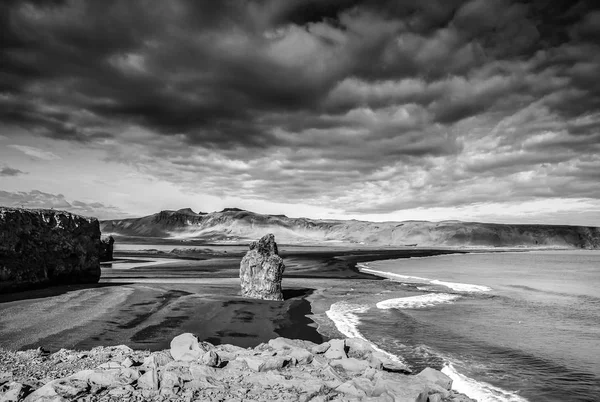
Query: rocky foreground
x=280, y=370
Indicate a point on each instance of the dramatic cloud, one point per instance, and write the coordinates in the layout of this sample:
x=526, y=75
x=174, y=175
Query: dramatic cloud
x=359, y=106
x=39, y=199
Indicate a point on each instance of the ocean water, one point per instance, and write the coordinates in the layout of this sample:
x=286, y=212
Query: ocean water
x=522, y=326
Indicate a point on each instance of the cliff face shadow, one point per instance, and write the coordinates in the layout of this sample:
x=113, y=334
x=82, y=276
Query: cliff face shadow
x=55, y=290
x=293, y=293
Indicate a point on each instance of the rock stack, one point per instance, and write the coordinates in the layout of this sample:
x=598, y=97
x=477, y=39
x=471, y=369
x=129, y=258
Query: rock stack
x=261, y=270
x=106, y=249
x=40, y=247
x=282, y=369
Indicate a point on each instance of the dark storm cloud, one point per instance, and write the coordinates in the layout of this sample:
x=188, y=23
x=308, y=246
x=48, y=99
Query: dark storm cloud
x=8, y=171
x=304, y=99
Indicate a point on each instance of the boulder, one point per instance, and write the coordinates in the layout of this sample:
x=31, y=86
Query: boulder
x=261, y=270
x=149, y=380
x=351, y=364
x=435, y=398
x=301, y=355
x=157, y=359
x=337, y=349
x=106, y=249
x=211, y=358
x=321, y=348
x=381, y=361
x=350, y=389
x=261, y=363
x=13, y=392
x=436, y=377
x=43, y=247
x=185, y=347
x=358, y=347
x=285, y=343
x=401, y=387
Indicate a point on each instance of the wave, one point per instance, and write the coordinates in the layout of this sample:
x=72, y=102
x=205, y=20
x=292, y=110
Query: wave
x=420, y=301
x=479, y=390
x=458, y=287
x=462, y=287
x=343, y=315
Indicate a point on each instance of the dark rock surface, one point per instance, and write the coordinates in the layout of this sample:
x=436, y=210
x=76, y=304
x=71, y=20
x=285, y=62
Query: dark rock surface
x=106, y=249
x=261, y=270
x=45, y=247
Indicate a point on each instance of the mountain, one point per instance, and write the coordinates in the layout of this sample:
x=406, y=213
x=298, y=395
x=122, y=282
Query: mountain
x=237, y=224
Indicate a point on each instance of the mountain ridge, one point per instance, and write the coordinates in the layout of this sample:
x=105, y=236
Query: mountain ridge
x=234, y=224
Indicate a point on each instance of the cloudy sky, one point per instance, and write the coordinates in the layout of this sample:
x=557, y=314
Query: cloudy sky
x=482, y=110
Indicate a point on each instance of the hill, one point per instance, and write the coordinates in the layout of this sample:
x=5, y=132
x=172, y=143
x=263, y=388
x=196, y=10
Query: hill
x=233, y=224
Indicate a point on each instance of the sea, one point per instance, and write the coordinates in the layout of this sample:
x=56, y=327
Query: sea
x=509, y=326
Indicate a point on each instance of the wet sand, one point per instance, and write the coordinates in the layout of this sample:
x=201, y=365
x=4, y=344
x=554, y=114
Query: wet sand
x=194, y=292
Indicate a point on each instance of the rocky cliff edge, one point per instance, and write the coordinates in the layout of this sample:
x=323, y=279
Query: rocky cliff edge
x=282, y=369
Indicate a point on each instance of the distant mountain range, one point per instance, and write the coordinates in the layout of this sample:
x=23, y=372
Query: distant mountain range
x=233, y=224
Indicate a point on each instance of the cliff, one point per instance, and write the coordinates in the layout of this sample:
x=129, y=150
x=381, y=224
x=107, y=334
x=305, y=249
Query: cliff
x=46, y=247
x=233, y=224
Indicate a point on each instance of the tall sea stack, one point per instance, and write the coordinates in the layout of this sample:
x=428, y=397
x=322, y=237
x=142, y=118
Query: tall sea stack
x=107, y=248
x=261, y=270
x=40, y=247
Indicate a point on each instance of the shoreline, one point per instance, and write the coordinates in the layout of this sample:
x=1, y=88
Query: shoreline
x=305, y=309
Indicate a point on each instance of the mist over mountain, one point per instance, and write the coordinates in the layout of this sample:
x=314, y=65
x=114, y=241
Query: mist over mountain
x=234, y=224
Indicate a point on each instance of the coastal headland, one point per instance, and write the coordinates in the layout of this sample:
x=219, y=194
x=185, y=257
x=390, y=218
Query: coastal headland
x=146, y=297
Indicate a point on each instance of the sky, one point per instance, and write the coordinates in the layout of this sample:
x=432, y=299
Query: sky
x=481, y=110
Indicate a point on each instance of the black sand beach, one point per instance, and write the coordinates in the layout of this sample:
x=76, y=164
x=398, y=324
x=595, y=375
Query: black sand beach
x=191, y=291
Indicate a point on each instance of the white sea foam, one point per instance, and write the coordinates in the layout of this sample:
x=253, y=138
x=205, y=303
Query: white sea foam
x=458, y=287
x=343, y=315
x=420, y=301
x=462, y=287
x=479, y=390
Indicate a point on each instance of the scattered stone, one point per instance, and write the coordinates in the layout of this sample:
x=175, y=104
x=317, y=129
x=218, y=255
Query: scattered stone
x=121, y=392
x=337, y=349
x=13, y=391
x=110, y=365
x=435, y=398
x=185, y=347
x=349, y=388
x=170, y=380
x=401, y=387
x=211, y=358
x=351, y=364
x=128, y=362
x=436, y=377
x=320, y=349
x=157, y=359
x=301, y=355
x=380, y=361
x=282, y=369
x=5, y=377
x=261, y=270
x=149, y=380
x=359, y=348
x=285, y=344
